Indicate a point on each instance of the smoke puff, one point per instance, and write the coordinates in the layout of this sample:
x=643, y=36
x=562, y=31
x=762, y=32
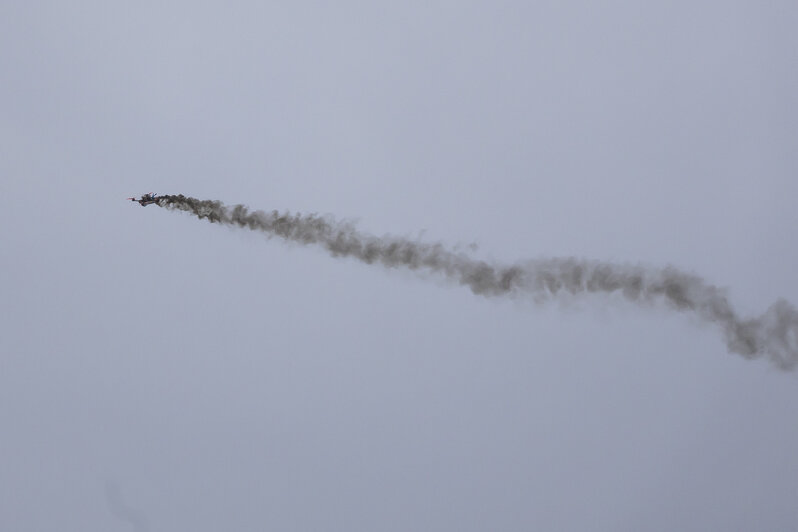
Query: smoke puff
x=773, y=335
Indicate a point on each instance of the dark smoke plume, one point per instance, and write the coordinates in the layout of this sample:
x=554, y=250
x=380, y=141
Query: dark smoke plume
x=773, y=335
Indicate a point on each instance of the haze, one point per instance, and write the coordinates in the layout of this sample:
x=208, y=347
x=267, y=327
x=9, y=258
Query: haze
x=158, y=373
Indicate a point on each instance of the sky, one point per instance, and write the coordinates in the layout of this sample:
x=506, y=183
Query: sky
x=161, y=373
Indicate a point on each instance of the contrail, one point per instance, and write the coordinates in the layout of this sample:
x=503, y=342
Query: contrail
x=773, y=335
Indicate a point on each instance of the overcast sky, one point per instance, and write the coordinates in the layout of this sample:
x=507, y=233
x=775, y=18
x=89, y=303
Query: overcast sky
x=160, y=373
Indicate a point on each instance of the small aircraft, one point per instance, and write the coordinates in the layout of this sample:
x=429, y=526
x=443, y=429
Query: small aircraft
x=146, y=199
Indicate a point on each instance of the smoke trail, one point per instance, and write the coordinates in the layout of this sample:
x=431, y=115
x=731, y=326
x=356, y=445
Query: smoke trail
x=120, y=510
x=773, y=335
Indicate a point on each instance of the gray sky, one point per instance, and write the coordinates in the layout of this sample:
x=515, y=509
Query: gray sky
x=159, y=373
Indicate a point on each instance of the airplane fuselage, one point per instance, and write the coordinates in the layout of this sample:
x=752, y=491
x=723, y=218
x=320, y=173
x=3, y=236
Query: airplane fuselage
x=146, y=199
